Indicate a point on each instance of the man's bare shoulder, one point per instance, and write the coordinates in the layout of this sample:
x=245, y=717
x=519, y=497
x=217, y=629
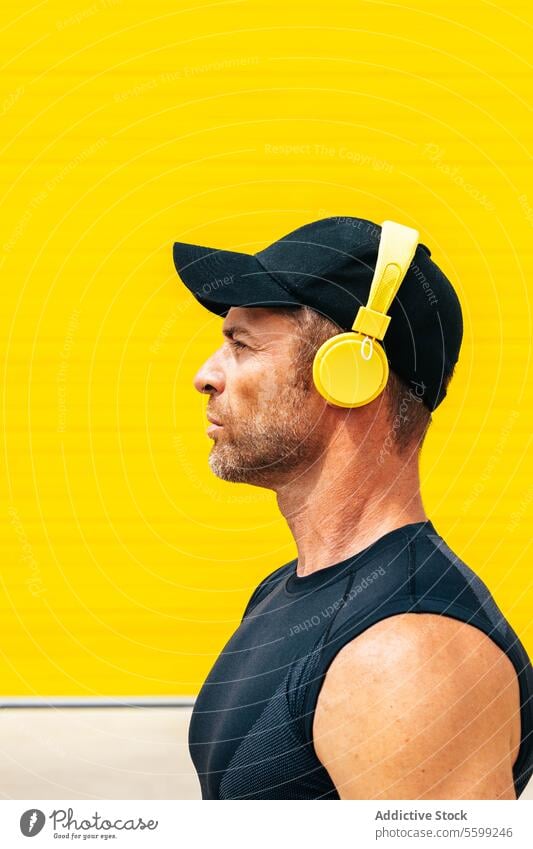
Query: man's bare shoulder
x=420, y=705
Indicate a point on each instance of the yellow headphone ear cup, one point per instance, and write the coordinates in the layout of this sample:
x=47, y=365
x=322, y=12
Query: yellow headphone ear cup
x=350, y=370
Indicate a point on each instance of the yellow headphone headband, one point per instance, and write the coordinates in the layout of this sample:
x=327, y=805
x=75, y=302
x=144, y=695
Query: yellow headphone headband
x=397, y=248
x=351, y=369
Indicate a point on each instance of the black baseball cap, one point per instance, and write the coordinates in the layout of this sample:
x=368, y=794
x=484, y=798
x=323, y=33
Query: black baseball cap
x=328, y=265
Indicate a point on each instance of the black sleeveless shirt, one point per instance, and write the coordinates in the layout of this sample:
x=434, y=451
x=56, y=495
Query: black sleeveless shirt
x=250, y=735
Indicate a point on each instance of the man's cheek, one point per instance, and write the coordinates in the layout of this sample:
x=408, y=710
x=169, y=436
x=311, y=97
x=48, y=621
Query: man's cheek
x=266, y=393
x=256, y=392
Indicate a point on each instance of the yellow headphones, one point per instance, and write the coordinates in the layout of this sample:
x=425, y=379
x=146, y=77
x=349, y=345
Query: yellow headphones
x=351, y=369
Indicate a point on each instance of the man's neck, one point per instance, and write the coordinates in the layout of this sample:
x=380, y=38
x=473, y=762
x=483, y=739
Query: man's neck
x=334, y=511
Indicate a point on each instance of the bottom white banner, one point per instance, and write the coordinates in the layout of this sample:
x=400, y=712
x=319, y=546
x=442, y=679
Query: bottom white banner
x=262, y=824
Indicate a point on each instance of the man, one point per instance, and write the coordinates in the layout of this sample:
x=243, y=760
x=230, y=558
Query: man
x=375, y=665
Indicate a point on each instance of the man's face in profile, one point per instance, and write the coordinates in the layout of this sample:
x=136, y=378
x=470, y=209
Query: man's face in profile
x=266, y=408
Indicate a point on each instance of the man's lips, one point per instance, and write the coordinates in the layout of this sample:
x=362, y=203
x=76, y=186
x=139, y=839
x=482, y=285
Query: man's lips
x=215, y=426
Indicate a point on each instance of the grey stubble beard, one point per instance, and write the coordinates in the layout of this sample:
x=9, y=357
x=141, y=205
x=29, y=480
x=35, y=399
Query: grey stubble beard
x=271, y=444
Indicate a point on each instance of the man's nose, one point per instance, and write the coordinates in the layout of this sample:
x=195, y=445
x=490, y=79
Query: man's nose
x=209, y=378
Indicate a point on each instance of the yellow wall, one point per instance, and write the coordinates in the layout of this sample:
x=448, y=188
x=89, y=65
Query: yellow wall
x=125, y=563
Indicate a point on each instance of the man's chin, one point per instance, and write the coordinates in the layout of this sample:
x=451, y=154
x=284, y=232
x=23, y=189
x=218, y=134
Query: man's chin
x=228, y=471
x=236, y=469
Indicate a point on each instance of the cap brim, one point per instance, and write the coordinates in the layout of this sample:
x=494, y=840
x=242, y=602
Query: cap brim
x=220, y=279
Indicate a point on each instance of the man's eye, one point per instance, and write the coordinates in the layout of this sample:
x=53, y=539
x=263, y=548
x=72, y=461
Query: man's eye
x=237, y=344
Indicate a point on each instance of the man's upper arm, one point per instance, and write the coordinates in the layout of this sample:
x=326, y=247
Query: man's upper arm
x=419, y=706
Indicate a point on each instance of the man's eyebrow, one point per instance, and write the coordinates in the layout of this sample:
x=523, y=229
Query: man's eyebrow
x=237, y=328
